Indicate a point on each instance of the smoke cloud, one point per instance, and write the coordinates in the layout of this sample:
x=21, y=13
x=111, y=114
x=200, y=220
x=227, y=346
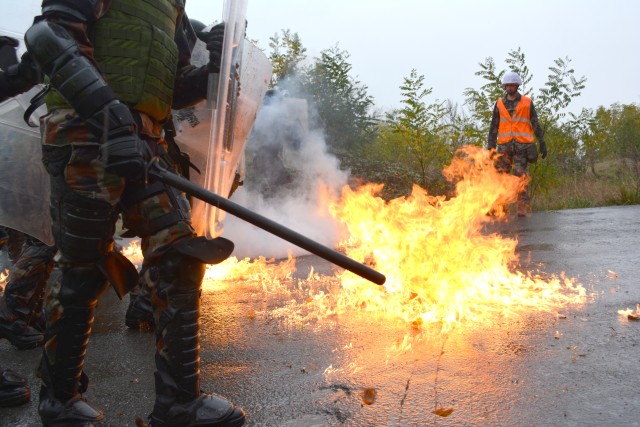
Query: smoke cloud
x=289, y=173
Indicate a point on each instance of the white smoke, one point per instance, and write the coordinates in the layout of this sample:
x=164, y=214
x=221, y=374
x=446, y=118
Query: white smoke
x=288, y=170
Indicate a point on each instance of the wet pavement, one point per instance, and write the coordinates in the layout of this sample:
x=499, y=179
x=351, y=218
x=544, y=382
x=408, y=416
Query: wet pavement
x=579, y=369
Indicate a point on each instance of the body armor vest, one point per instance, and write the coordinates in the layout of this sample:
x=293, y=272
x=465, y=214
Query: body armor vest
x=135, y=49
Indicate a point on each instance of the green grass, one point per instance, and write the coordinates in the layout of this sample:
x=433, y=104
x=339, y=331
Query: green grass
x=613, y=186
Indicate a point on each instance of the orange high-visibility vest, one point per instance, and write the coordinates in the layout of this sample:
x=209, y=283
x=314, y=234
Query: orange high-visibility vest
x=517, y=127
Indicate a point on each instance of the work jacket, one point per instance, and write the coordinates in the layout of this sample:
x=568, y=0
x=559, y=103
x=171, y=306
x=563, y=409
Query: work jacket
x=518, y=127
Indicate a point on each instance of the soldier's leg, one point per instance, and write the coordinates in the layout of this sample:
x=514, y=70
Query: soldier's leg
x=14, y=246
x=21, y=304
x=174, y=263
x=520, y=169
x=139, y=313
x=504, y=160
x=83, y=227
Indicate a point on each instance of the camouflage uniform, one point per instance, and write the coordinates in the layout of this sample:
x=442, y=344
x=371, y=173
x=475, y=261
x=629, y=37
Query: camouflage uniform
x=13, y=388
x=515, y=156
x=96, y=138
x=21, y=317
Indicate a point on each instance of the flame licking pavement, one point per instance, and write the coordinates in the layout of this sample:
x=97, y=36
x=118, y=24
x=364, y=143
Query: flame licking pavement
x=442, y=267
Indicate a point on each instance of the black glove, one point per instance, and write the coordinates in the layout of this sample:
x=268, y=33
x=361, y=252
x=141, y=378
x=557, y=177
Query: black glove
x=10, y=41
x=122, y=152
x=543, y=149
x=125, y=156
x=19, y=78
x=214, y=39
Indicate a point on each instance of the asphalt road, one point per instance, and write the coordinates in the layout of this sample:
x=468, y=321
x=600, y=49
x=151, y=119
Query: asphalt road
x=582, y=369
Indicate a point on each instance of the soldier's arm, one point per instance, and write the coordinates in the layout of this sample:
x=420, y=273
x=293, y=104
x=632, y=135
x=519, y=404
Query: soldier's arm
x=17, y=77
x=191, y=82
x=535, y=124
x=493, y=128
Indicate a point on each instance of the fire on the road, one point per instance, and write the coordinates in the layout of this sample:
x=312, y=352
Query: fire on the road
x=441, y=267
x=441, y=264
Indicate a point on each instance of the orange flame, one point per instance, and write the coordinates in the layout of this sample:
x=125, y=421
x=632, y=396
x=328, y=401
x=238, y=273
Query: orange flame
x=631, y=314
x=4, y=278
x=442, y=266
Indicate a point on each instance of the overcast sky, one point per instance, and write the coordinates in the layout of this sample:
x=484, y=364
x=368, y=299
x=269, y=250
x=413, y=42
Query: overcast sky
x=445, y=40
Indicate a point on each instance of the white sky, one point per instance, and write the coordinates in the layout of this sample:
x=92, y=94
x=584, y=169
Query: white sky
x=445, y=40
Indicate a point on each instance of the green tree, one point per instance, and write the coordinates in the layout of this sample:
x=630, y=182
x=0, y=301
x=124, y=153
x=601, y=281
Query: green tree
x=415, y=141
x=626, y=135
x=287, y=55
x=341, y=103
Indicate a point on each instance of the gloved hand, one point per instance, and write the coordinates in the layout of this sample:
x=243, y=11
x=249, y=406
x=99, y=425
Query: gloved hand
x=121, y=150
x=214, y=39
x=543, y=149
x=125, y=156
x=5, y=40
x=29, y=70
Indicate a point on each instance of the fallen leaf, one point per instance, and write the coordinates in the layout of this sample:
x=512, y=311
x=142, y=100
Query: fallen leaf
x=443, y=412
x=369, y=396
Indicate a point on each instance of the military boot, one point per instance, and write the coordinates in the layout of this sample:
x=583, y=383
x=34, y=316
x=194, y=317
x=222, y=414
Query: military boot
x=13, y=389
x=179, y=400
x=71, y=307
x=139, y=314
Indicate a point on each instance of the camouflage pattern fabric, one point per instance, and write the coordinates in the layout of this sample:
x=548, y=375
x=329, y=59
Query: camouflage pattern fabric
x=85, y=175
x=22, y=298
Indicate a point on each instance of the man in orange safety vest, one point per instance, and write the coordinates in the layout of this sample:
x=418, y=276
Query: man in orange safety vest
x=513, y=126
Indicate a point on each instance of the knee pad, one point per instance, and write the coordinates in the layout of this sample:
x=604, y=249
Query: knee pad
x=182, y=266
x=83, y=228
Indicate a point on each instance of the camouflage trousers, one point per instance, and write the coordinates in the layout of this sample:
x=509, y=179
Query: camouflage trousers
x=22, y=298
x=77, y=169
x=514, y=158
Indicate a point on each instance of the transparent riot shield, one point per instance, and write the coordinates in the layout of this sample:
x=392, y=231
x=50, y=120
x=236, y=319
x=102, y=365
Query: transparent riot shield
x=24, y=183
x=214, y=133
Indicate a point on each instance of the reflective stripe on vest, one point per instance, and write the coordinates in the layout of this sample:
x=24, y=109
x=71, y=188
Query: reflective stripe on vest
x=517, y=127
x=135, y=49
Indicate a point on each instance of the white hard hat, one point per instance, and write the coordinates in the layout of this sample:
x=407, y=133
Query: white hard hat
x=511, y=78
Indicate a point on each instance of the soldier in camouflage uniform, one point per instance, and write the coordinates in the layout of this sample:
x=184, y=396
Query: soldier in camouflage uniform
x=15, y=78
x=513, y=125
x=21, y=316
x=21, y=320
x=116, y=68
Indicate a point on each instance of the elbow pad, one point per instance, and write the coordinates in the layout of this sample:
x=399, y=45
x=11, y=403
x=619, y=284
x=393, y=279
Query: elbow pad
x=77, y=79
